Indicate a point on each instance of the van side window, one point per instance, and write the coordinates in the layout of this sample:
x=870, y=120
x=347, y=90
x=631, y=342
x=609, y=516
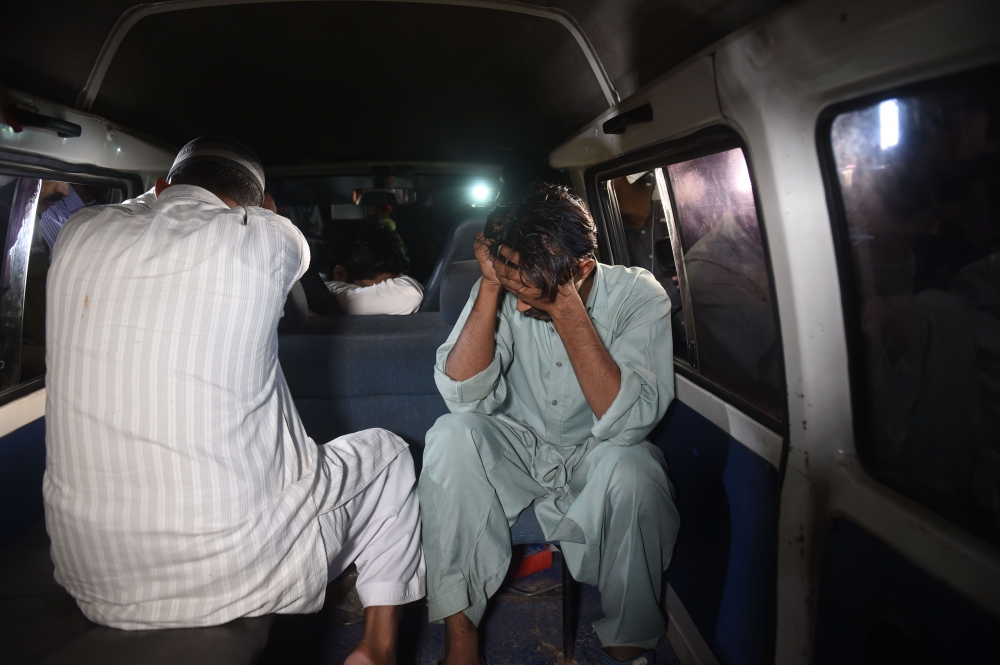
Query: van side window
x=648, y=240
x=916, y=193
x=734, y=317
x=32, y=212
x=693, y=223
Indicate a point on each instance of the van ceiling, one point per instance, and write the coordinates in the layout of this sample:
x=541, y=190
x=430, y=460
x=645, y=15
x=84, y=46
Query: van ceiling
x=337, y=81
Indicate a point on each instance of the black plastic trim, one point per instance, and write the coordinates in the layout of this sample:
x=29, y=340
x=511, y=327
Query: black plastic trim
x=637, y=116
x=20, y=390
x=851, y=306
x=31, y=120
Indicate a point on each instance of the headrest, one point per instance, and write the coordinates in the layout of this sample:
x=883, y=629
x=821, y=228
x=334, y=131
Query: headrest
x=456, y=286
x=296, y=310
x=457, y=247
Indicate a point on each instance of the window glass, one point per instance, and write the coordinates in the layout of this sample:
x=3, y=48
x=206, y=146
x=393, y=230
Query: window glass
x=648, y=241
x=32, y=213
x=734, y=318
x=422, y=207
x=18, y=205
x=919, y=178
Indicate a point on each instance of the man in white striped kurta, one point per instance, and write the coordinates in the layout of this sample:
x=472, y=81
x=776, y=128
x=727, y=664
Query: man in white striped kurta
x=181, y=489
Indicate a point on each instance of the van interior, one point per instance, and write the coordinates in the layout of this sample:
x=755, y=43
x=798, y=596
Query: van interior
x=814, y=183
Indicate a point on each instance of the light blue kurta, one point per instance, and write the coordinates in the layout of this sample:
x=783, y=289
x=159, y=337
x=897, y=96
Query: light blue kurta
x=521, y=432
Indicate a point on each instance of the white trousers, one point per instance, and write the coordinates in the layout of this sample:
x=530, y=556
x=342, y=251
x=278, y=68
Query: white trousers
x=379, y=531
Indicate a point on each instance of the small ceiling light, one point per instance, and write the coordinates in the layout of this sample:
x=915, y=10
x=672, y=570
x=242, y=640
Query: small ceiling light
x=480, y=193
x=888, y=115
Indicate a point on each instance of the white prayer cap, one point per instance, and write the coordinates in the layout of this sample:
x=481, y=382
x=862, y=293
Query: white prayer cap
x=221, y=150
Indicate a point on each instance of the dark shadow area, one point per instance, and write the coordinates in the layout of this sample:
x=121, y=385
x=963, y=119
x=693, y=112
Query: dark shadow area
x=875, y=606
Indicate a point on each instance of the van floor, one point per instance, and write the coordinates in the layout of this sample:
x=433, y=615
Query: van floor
x=516, y=630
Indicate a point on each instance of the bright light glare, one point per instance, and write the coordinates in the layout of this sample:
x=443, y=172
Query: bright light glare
x=742, y=177
x=888, y=117
x=480, y=193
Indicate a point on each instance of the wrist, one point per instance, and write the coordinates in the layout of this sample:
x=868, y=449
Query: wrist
x=489, y=288
x=570, y=309
x=489, y=295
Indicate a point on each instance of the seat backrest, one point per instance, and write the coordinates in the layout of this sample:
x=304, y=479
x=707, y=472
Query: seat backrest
x=348, y=373
x=296, y=310
x=457, y=247
x=455, y=288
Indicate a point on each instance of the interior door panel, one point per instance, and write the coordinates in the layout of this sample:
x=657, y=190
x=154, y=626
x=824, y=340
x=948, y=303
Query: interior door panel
x=22, y=465
x=875, y=606
x=723, y=567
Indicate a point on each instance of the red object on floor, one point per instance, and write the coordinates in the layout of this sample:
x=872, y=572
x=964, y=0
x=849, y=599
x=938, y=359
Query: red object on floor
x=533, y=562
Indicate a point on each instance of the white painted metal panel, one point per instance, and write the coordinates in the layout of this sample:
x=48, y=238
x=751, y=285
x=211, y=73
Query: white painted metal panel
x=740, y=426
x=15, y=415
x=773, y=84
x=101, y=143
x=683, y=101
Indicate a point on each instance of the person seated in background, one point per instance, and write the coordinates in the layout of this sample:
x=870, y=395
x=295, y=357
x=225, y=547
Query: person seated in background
x=181, y=488
x=367, y=273
x=644, y=228
x=555, y=373
x=61, y=200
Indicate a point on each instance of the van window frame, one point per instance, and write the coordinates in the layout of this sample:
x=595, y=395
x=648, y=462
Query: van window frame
x=704, y=142
x=851, y=305
x=30, y=166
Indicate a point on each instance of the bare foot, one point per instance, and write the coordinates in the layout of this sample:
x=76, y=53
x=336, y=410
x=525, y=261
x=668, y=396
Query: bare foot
x=362, y=655
x=461, y=641
x=378, y=644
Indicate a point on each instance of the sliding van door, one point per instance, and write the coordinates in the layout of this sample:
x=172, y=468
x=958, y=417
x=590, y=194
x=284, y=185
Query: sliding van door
x=912, y=546
x=688, y=213
x=33, y=206
x=22, y=392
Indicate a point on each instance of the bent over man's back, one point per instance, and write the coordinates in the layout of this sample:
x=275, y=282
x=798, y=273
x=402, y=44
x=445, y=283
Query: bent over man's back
x=155, y=426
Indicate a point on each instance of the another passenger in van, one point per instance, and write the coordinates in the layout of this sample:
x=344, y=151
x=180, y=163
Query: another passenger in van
x=60, y=201
x=555, y=373
x=643, y=231
x=181, y=488
x=368, y=273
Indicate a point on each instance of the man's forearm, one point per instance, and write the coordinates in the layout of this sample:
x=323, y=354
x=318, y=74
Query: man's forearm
x=598, y=373
x=474, y=350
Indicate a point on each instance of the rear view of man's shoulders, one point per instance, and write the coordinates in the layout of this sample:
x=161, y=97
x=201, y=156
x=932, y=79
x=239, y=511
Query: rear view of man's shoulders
x=297, y=253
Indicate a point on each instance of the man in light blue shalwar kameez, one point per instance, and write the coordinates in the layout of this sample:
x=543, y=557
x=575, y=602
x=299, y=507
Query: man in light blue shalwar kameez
x=555, y=373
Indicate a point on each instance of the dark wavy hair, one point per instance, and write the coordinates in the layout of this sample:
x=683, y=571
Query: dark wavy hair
x=370, y=249
x=550, y=229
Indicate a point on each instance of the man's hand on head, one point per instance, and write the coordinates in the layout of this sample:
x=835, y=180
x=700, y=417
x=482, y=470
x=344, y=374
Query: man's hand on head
x=51, y=191
x=485, y=260
x=567, y=298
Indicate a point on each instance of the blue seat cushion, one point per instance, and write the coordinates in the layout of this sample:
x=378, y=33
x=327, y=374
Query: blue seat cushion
x=526, y=529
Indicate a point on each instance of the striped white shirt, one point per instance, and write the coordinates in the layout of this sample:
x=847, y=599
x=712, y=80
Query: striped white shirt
x=180, y=488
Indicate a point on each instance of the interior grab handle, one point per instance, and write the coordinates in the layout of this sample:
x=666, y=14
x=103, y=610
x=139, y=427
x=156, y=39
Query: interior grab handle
x=621, y=122
x=21, y=119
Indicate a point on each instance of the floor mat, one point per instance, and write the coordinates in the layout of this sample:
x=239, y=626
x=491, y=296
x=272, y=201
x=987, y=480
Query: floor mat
x=516, y=630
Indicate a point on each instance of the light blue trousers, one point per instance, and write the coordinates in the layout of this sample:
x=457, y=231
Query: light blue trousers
x=611, y=509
